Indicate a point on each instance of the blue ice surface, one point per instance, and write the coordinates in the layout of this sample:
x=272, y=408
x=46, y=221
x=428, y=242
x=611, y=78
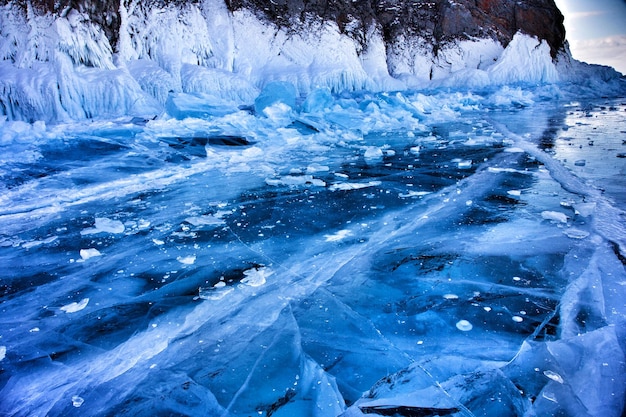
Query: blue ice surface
x=273, y=93
x=442, y=253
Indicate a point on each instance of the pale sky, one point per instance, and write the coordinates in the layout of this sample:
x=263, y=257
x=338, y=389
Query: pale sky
x=596, y=31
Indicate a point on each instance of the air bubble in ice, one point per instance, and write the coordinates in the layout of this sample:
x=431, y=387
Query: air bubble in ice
x=554, y=376
x=77, y=401
x=464, y=325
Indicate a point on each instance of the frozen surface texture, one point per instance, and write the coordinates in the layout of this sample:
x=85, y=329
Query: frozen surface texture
x=449, y=253
x=97, y=59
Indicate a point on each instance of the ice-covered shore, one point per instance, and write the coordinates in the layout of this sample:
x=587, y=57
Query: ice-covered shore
x=62, y=67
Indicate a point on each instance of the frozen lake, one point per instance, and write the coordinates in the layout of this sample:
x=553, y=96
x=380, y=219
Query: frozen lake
x=452, y=253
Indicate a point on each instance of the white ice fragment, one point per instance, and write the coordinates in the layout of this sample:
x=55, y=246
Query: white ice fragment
x=75, y=306
x=28, y=245
x=414, y=194
x=517, y=319
x=104, y=225
x=214, y=293
x=3, y=352
x=158, y=242
x=347, y=186
x=415, y=150
x=464, y=325
x=554, y=376
x=256, y=277
x=464, y=164
x=89, y=253
x=340, y=235
x=514, y=150
x=584, y=209
x=451, y=296
x=514, y=193
x=373, y=153
x=574, y=233
x=143, y=224
x=313, y=168
x=487, y=309
x=295, y=180
x=187, y=260
x=34, y=330
x=205, y=220
x=469, y=203
x=555, y=216
x=77, y=401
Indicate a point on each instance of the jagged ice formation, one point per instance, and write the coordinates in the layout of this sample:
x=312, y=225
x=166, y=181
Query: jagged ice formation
x=83, y=59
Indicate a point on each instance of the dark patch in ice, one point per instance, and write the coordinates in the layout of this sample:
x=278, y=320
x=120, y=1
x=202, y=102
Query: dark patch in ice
x=226, y=140
x=108, y=327
x=270, y=410
x=618, y=252
x=406, y=411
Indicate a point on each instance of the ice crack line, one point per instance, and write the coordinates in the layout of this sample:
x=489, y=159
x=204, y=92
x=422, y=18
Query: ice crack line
x=607, y=219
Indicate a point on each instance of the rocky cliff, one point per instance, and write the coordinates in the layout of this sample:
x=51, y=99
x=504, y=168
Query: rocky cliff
x=87, y=58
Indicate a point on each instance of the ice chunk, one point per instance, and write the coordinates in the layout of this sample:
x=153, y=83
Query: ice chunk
x=274, y=93
x=464, y=164
x=198, y=105
x=414, y=194
x=3, y=352
x=256, y=277
x=318, y=100
x=104, y=225
x=584, y=209
x=554, y=216
x=187, y=260
x=347, y=186
x=89, y=253
x=206, y=220
x=75, y=306
x=373, y=154
x=77, y=401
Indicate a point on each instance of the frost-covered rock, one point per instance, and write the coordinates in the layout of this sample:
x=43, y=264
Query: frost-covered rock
x=96, y=59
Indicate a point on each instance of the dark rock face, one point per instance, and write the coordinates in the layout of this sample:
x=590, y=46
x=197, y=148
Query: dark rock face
x=436, y=21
